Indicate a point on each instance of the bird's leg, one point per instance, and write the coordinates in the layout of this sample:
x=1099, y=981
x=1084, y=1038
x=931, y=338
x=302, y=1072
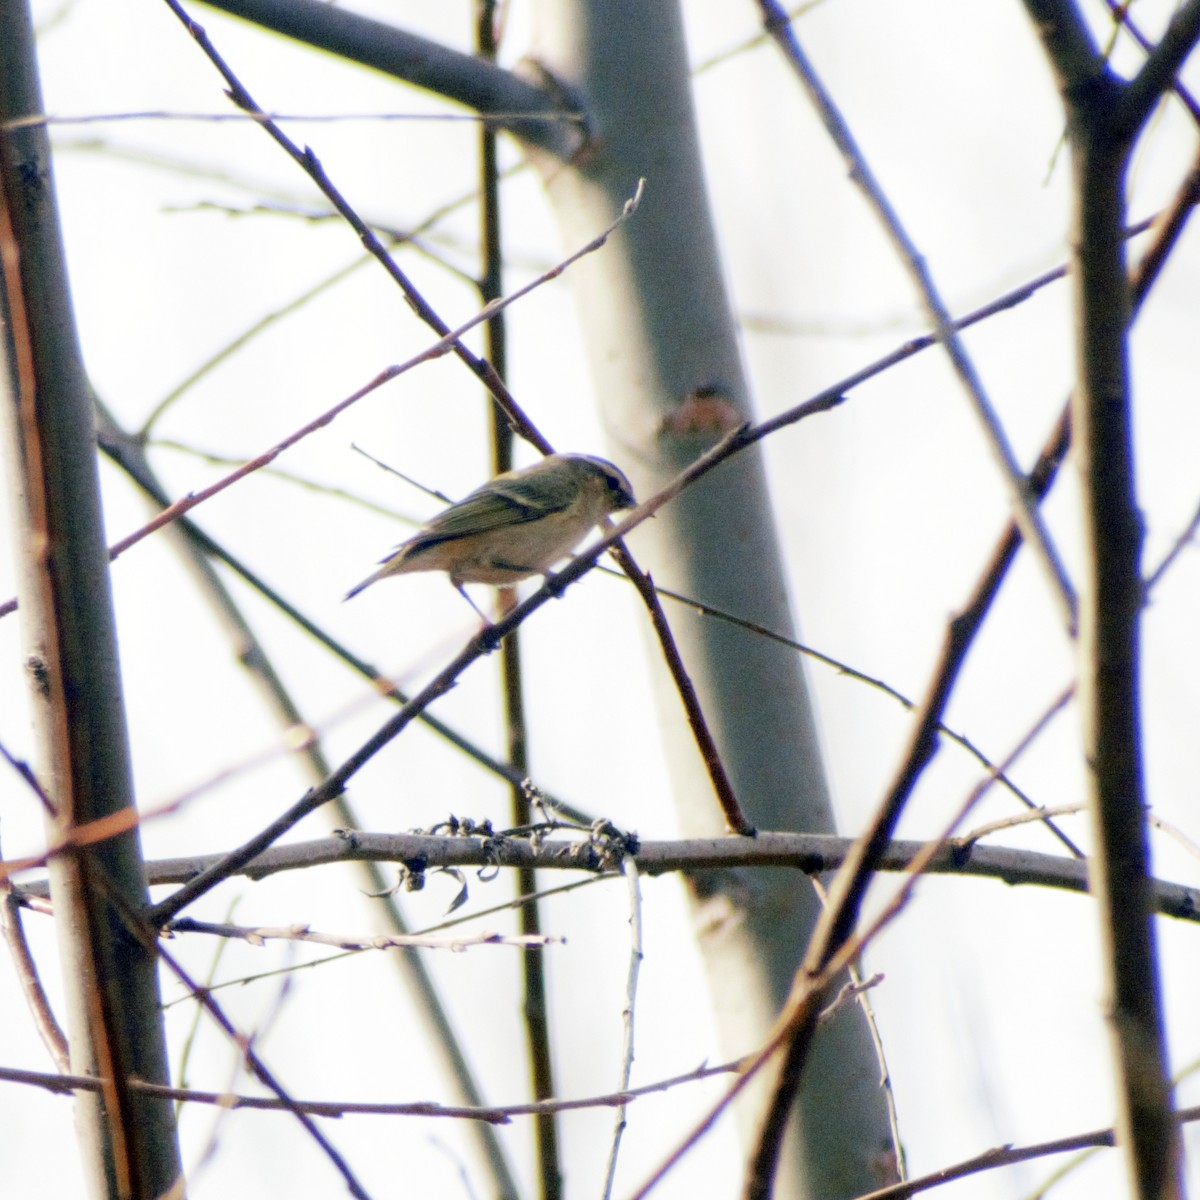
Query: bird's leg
x=462, y=591
x=487, y=631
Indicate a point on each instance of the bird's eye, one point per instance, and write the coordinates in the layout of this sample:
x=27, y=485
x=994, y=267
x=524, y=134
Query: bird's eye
x=619, y=489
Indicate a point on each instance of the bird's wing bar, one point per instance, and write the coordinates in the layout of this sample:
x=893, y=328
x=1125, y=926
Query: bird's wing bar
x=494, y=507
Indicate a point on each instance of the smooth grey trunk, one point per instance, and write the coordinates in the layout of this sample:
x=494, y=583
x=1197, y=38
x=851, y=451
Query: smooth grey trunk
x=665, y=363
x=127, y=1141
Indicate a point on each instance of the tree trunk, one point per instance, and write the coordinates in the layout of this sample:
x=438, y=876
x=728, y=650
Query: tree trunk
x=666, y=366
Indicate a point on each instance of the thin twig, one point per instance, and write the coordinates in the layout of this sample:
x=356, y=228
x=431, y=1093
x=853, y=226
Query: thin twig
x=29, y=778
x=493, y=1114
x=632, y=881
x=396, y=239
x=257, y=935
x=1007, y=1156
x=1180, y=544
x=46, y=120
x=241, y=981
x=1173, y=831
x=301, y=482
x=982, y=831
x=30, y=980
x=535, y=1009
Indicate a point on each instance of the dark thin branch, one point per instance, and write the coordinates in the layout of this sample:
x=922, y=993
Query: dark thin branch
x=1157, y=75
x=1007, y=1156
x=335, y=1109
x=1024, y=507
x=535, y=1013
x=1120, y=12
x=735, y=819
x=308, y=162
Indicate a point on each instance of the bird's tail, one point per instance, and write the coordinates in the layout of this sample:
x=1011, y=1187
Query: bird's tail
x=366, y=583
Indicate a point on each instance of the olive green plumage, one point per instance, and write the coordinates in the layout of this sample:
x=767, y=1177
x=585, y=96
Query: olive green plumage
x=514, y=526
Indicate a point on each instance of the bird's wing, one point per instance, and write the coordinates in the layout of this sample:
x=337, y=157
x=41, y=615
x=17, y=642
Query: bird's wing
x=495, y=506
x=551, y=492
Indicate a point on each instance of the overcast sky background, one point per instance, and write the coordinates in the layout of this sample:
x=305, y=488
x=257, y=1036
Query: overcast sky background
x=888, y=508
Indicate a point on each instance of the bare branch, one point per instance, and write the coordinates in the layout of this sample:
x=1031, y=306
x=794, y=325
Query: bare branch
x=1157, y=75
x=258, y=935
x=493, y=1114
x=1024, y=506
x=529, y=110
x=811, y=853
x=1101, y=127
x=633, y=885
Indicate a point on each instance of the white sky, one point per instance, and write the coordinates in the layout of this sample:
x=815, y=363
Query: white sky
x=990, y=1010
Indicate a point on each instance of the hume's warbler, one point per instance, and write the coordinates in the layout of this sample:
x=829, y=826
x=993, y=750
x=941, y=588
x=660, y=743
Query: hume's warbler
x=516, y=525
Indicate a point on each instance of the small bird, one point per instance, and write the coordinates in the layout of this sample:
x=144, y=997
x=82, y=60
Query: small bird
x=516, y=525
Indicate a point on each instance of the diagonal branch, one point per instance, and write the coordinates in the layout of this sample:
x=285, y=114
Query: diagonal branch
x=1157, y=75
x=308, y=162
x=530, y=111
x=1024, y=507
